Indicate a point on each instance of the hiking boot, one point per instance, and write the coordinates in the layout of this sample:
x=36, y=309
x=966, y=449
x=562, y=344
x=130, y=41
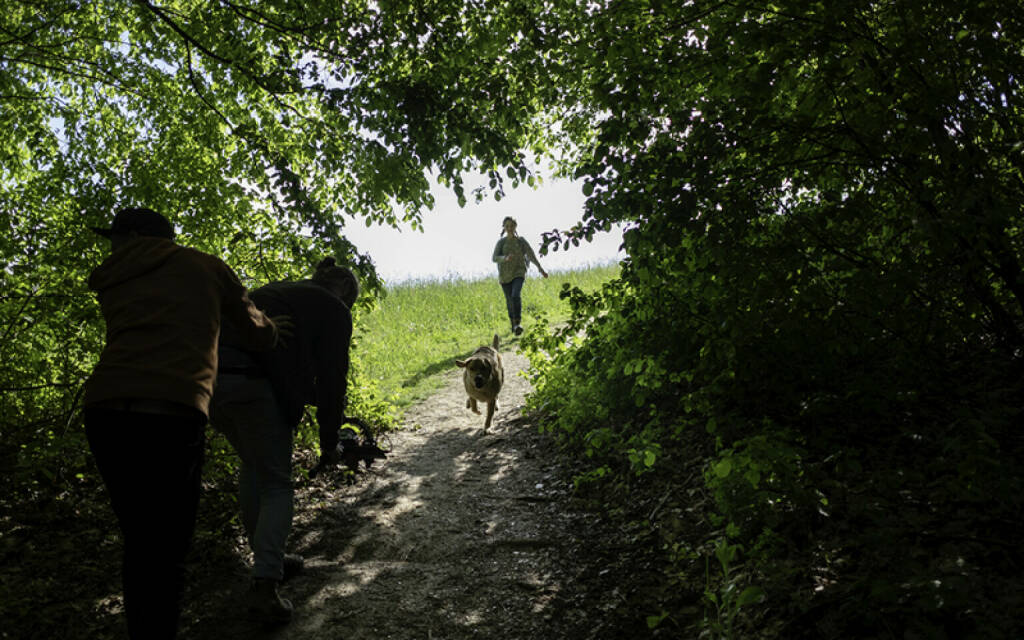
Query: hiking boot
x=518, y=330
x=293, y=565
x=264, y=603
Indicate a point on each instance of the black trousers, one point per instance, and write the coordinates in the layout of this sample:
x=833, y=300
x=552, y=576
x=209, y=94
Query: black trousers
x=151, y=465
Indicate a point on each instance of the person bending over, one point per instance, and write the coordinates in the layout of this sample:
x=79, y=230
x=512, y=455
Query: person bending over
x=259, y=402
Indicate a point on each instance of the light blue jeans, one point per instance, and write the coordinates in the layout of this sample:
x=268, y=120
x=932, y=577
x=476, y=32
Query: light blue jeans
x=245, y=411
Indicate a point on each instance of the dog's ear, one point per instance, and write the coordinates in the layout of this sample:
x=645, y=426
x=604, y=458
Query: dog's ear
x=495, y=342
x=461, y=363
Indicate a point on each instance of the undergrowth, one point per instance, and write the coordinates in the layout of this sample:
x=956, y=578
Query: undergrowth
x=880, y=501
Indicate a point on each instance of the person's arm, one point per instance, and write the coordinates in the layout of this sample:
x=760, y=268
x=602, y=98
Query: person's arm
x=499, y=253
x=332, y=366
x=532, y=257
x=253, y=328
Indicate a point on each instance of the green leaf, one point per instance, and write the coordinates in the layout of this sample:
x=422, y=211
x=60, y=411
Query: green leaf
x=750, y=595
x=723, y=468
x=654, y=621
x=725, y=553
x=753, y=476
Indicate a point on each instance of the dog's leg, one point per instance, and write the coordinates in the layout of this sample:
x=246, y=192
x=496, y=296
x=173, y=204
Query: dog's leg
x=490, y=413
x=471, y=404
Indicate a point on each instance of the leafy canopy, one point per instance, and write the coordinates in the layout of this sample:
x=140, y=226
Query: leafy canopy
x=260, y=130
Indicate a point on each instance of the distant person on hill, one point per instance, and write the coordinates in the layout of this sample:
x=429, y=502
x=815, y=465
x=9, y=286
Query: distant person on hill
x=146, y=402
x=513, y=255
x=259, y=402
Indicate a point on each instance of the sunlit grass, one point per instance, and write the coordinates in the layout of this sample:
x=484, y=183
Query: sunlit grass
x=419, y=329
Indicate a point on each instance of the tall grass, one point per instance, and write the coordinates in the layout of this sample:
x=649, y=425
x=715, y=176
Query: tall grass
x=420, y=327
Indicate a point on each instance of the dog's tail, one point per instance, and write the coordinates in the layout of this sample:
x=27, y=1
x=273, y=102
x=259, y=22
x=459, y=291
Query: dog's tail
x=495, y=342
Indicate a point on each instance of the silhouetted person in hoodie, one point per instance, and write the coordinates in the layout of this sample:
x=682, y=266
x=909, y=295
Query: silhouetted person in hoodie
x=146, y=403
x=260, y=400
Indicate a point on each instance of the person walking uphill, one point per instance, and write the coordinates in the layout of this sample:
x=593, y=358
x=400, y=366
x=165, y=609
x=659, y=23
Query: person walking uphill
x=259, y=402
x=513, y=255
x=146, y=401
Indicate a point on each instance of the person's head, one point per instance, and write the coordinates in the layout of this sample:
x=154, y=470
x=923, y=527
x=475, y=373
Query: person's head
x=338, y=280
x=134, y=222
x=508, y=225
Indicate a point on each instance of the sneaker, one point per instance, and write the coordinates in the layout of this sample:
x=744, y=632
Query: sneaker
x=293, y=565
x=264, y=603
x=518, y=330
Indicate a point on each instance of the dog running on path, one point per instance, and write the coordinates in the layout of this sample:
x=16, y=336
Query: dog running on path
x=483, y=375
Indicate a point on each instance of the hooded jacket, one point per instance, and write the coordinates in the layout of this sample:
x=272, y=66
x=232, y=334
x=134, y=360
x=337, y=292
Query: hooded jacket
x=163, y=305
x=311, y=367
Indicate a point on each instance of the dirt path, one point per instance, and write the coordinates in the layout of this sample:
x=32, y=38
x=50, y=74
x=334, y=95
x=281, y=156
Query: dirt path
x=459, y=534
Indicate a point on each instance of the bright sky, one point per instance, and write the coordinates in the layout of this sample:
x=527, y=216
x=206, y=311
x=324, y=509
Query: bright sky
x=458, y=241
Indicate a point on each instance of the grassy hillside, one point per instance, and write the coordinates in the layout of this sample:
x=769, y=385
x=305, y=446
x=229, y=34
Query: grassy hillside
x=420, y=328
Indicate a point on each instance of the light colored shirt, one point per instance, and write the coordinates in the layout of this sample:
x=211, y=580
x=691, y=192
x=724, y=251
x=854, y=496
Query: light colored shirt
x=519, y=256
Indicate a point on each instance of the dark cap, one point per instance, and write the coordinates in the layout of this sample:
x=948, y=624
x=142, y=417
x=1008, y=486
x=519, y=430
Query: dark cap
x=337, y=279
x=144, y=222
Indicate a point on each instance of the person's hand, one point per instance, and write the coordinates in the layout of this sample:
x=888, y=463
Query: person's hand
x=285, y=329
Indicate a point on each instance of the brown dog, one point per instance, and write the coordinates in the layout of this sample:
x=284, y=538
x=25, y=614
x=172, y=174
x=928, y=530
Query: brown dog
x=483, y=376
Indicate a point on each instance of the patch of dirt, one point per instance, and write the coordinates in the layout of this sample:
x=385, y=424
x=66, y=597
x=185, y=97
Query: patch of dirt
x=459, y=534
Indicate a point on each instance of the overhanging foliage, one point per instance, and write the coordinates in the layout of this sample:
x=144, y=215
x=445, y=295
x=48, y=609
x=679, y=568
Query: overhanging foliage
x=261, y=130
x=823, y=285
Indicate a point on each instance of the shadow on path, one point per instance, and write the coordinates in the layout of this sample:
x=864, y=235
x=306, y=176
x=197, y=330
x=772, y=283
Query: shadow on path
x=459, y=534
